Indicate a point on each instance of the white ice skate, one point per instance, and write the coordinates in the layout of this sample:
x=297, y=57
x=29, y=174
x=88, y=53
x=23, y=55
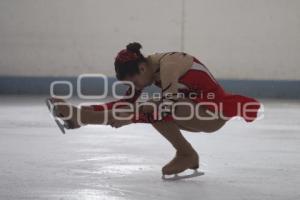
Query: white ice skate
x=178, y=177
x=60, y=123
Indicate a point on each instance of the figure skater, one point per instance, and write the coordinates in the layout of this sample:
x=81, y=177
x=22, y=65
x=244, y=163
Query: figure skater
x=186, y=86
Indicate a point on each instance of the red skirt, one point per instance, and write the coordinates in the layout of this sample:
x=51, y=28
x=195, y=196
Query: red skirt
x=210, y=93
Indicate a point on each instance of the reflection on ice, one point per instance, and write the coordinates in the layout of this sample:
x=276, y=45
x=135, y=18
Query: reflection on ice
x=125, y=169
x=90, y=194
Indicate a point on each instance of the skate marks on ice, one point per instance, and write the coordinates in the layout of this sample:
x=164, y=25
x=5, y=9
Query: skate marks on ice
x=39, y=165
x=176, y=177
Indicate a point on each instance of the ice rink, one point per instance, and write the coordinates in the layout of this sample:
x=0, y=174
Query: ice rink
x=241, y=161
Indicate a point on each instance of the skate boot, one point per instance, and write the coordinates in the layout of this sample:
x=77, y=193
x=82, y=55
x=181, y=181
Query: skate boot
x=181, y=162
x=62, y=124
x=186, y=157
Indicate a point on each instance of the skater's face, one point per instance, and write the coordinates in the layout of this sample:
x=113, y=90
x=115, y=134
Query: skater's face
x=143, y=78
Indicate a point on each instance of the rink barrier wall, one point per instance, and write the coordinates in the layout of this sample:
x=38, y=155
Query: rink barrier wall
x=12, y=85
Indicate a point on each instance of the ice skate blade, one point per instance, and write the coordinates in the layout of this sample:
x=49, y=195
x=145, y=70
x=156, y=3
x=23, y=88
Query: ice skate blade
x=179, y=177
x=52, y=111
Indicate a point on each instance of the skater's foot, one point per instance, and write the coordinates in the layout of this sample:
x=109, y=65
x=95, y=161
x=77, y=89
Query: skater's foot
x=181, y=162
x=62, y=110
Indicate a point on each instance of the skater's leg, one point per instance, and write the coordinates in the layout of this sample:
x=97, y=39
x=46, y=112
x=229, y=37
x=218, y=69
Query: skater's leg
x=202, y=122
x=86, y=115
x=196, y=124
x=186, y=157
x=94, y=117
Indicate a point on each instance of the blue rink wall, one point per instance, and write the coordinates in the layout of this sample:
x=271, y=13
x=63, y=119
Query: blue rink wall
x=11, y=85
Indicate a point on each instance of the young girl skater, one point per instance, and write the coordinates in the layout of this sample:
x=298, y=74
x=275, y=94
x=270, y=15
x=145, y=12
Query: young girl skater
x=186, y=86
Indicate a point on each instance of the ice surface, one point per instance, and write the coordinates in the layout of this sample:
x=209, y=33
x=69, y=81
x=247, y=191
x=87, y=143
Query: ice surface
x=242, y=161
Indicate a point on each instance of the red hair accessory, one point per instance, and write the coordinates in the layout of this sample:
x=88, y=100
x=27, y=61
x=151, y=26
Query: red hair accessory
x=125, y=56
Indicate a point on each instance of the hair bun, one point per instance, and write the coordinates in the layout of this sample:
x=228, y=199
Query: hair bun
x=134, y=47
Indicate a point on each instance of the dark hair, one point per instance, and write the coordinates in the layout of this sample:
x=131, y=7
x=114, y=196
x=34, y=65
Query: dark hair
x=128, y=60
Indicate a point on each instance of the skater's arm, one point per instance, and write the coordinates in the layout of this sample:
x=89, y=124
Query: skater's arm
x=171, y=69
